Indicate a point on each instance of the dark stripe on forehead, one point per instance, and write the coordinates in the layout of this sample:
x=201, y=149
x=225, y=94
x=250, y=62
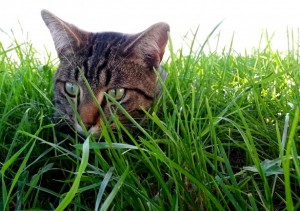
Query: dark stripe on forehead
x=89, y=53
x=76, y=73
x=103, y=61
x=108, y=77
x=85, y=68
x=106, y=57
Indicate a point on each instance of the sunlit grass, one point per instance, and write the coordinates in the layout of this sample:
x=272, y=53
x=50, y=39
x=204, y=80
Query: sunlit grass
x=223, y=135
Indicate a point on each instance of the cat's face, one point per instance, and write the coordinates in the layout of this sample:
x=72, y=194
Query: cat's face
x=120, y=65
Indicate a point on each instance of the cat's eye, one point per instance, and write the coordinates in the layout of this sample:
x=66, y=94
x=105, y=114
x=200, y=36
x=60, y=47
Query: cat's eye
x=117, y=93
x=72, y=89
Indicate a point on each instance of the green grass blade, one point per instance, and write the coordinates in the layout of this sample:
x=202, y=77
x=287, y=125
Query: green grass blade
x=73, y=190
x=286, y=163
x=114, y=191
x=18, y=174
x=102, y=188
x=252, y=202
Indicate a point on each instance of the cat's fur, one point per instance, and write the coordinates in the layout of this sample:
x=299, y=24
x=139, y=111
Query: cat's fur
x=109, y=60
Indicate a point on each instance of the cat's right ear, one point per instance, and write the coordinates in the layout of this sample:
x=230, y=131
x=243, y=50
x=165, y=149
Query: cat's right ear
x=149, y=45
x=67, y=37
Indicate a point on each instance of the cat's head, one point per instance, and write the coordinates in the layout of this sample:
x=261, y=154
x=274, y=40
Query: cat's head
x=121, y=65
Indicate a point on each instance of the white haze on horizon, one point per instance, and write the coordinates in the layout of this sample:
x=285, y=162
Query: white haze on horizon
x=246, y=20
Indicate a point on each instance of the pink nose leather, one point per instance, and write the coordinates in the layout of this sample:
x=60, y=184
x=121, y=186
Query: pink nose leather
x=89, y=114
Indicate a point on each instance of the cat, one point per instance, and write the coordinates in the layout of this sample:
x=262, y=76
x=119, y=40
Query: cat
x=121, y=65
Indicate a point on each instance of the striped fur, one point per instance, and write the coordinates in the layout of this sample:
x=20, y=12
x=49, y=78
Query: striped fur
x=107, y=60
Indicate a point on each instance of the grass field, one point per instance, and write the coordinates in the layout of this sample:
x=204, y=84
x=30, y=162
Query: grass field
x=224, y=135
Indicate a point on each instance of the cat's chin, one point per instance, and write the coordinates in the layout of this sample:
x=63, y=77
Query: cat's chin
x=94, y=131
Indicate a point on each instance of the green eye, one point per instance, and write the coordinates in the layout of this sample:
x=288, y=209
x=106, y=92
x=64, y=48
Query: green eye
x=72, y=89
x=117, y=93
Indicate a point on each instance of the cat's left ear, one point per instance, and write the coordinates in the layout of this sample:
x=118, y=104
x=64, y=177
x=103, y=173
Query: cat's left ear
x=67, y=37
x=150, y=45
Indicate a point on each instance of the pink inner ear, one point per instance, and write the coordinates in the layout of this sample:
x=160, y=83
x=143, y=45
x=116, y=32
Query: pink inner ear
x=162, y=46
x=66, y=37
x=159, y=32
x=150, y=44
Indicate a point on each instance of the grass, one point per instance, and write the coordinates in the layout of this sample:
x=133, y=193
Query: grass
x=223, y=136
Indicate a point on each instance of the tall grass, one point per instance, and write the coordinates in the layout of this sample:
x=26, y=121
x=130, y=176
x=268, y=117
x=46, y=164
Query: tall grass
x=223, y=135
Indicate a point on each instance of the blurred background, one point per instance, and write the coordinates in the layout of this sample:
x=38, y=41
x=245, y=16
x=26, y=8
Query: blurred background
x=247, y=20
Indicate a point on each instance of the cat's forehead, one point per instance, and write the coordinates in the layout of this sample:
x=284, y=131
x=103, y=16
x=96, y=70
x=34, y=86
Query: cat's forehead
x=103, y=44
x=108, y=36
x=112, y=38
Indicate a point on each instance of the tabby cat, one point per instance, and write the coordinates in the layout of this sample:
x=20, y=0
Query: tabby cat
x=121, y=65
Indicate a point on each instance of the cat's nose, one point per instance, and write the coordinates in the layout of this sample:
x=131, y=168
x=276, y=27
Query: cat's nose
x=90, y=115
